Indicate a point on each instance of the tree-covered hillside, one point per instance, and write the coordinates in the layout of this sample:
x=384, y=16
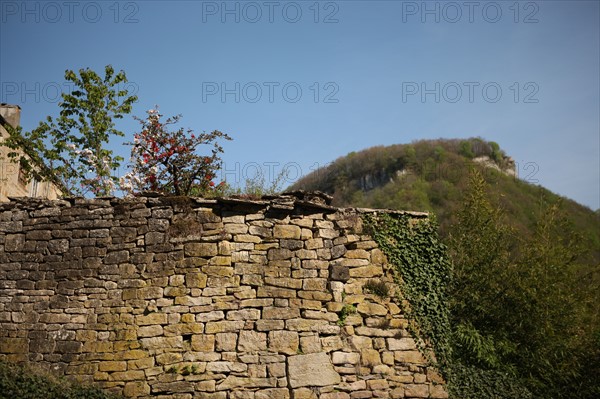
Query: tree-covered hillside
x=432, y=175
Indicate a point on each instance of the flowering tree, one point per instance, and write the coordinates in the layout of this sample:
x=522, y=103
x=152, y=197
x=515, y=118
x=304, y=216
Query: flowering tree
x=169, y=162
x=69, y=150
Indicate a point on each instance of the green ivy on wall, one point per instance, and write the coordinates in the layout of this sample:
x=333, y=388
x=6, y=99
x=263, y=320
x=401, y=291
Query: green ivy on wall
x=423, y=272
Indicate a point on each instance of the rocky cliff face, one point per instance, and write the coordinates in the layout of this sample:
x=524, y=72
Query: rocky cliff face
x=213, y=299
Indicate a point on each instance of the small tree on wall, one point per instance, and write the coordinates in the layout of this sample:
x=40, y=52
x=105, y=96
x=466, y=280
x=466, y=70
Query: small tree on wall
x=169, y=162
x=69, y=151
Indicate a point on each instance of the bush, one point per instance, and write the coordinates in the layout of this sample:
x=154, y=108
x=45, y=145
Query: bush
x=23, y=382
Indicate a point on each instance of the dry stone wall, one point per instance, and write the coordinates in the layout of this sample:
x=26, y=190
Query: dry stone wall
x=213, y=299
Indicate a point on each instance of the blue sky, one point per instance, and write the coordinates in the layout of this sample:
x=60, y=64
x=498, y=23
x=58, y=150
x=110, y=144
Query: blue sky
x=299, y=84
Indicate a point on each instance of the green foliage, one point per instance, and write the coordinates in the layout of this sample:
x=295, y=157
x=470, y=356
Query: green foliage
x=497, y=153
x=466, y=150
x=344, y=313
x=514, y=309
x=422, y=273
x=479, y=247
x=476, y=383
x=26, y=383
x=69, y=151
x=377, y=287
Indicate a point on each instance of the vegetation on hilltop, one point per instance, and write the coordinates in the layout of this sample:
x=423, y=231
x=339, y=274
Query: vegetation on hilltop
x=433, y=175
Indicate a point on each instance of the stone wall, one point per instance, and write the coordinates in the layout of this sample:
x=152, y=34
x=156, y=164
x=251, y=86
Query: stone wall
x=213, y=299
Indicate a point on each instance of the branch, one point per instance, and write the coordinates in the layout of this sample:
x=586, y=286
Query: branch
x=45, y=172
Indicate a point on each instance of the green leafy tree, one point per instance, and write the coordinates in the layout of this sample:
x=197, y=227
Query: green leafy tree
x=557, y=324
x=523, y=309
x=69, y=150
x=480, y=247
x=466, y=149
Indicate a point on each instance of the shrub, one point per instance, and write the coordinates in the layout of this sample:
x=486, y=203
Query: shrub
x=377, y=287
x=23, y=382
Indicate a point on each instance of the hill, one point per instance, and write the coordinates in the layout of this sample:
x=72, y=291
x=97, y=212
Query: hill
x=432, y=175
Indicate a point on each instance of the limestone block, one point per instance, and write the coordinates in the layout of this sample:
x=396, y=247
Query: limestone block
x=328, y=233
x=314, y=284
x=416, y=390
x=278, y=313
x=320, y=315
x=314, y=369
x=401, y=344
x=136, y=388
x=274, y=292
x=377, y=332
x=173, y=387
x=366, y=271
x=252, y=341
x=131, y=354
x=210, y=316
x=162, y=342
x=371, y=309
x=360, y=342
x=284, y=282
x=269, y=325
x=241, y=395
x=223, y=326
x=140, y=364
x=287, y=231
x=305, y=325
x=279, y=393
x=175, y=291
x=113, y=366
x=14, y=242
x=335, y=395
x=285, y=342
x=304, y=393
x=257, y=370
x=169, y=358
x=387, y=358
x=232, y=382
x=236, y=228
x=219, y=271
x=201, y=249
x=276, y=369
x=332, y=343
x=357, y=254
x=150, y=331
x=397, y=393
x=116, y=257
x=279, y=254
x=413, y=357
x=345, y=357
x=131, y=375
x=206, y=386
x=361, y=395
x=339, y=273
x=370, y=357
x=314, y=264
x=244, y=314
x=246, y=238
x=203, y=343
